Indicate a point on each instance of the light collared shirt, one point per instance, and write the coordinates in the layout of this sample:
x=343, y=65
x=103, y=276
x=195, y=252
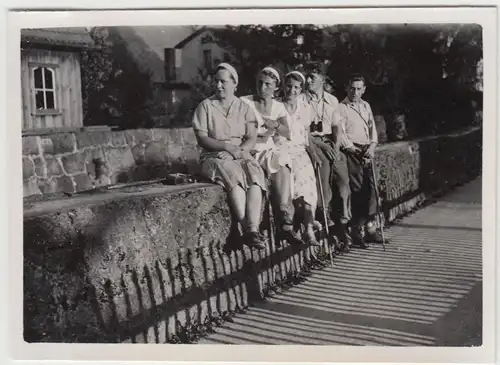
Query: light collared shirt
x=323, y=109
x=227, y=126
x=357, y=123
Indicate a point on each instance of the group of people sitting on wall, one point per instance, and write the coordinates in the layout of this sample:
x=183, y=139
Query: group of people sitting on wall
x=297, y=143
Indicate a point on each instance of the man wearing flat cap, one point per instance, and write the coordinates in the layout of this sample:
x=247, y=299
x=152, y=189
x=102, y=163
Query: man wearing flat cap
x=326, y=137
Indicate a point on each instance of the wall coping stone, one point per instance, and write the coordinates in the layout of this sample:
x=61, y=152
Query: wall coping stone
x=460, y=133
x=39, y=206
x=89, y=200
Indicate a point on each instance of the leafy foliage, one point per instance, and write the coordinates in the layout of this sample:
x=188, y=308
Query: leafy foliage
x=256, y=46
x=182, y=111
x=430, y=76
x=427, y=74
x=115, y=92
x=96, y=66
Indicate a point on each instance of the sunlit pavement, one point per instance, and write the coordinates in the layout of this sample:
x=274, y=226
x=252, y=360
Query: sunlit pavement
x=424, y=290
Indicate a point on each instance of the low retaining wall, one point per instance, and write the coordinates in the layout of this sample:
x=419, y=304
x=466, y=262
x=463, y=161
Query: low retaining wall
x=411, y=170
x=129, y=266
x=141, y=265
x=60, y=162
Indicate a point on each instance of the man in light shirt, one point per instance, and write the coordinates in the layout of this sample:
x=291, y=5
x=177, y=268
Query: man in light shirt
x=326, y=135
x=358, y=145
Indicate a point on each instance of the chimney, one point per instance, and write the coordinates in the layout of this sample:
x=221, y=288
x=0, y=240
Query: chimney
x=173, y=62
x=172, y=66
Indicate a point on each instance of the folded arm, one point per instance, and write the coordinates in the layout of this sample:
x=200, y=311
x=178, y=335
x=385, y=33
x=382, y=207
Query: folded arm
x=343, y=141
x=200, y=126
x=279, y=126
x=209, y=143
x=284, y=128
x=250, y=137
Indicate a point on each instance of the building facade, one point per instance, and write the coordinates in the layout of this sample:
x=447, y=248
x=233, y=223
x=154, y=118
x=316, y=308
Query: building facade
x=51, y=77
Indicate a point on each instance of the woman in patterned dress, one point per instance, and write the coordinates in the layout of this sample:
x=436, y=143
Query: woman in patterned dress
x=226, y=128
x=299, y=119
x=271, y=147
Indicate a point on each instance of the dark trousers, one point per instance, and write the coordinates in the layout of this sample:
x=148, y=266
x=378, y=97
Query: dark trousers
x=325, y=174
x=341, y=202
x=362, y=185
x=335, y=182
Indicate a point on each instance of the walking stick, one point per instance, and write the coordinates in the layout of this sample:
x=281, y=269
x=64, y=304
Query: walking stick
x=272, y=240
x=324, y=215
x=377, y=196
x=273, y=244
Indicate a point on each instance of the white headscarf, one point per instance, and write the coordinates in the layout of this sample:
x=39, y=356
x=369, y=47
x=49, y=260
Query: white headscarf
x=273, y=71
x=230, y=69
x=298, y=73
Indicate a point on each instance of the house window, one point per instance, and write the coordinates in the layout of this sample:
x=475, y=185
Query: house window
x=207, y=59
x=44, y=89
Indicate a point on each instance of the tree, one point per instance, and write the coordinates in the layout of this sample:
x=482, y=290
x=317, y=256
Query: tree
x=201, y=88
x=429, y=74
x=96, y=66
x=115, y=91
x=256, y=46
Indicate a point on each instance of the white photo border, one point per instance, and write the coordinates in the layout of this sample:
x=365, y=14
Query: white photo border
x=20, y=350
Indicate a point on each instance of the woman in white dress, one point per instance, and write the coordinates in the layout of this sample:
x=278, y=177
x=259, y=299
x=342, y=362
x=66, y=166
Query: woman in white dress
x=300, y=116
x=271, y=148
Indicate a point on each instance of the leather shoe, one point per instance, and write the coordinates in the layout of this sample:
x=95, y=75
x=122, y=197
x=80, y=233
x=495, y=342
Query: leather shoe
x=344, y=235
x=310, y=239
x=291, y=236
x=254, y=240
x=358, y=239
x=374, y=237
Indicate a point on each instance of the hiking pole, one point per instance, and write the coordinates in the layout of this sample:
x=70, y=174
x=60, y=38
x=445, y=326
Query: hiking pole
x=324, y=214
x=273, y=239
x=377, y=197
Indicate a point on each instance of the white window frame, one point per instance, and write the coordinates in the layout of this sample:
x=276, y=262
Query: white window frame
x=44, y=67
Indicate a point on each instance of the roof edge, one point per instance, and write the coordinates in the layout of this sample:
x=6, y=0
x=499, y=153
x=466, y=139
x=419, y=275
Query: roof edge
x=192, y=36
x=55, y=37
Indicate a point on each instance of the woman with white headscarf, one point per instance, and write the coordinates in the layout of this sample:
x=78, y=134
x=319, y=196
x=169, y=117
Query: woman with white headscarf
x=300, y=117
x=271, y=147
x=226, y=128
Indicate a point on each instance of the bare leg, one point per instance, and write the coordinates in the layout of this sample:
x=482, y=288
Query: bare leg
x=250, y=221
x=308, y=215
x=238, y=199
x=281, y=181
x=308, y=222
x=253, y=207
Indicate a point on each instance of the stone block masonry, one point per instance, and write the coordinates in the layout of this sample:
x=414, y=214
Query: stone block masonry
x=63, y=162
x=137, y=265
x=408, y=171
x=132, y=268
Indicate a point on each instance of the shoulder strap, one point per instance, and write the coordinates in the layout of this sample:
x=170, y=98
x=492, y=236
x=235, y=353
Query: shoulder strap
x=367, y=122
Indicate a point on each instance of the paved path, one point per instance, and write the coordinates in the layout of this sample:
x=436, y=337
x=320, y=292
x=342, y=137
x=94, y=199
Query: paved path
x=425, y=289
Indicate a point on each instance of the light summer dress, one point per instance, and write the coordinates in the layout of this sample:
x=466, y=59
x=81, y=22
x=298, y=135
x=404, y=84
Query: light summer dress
x=304, y=179
x=229, y=127
x=273, y=154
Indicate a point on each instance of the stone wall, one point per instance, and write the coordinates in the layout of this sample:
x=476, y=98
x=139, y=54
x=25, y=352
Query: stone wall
x=141, y=264
x=131, y=267
x=411, y=170
x=64, y=161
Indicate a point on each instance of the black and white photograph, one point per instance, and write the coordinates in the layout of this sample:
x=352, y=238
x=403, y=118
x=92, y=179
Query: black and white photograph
x=312, y=184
